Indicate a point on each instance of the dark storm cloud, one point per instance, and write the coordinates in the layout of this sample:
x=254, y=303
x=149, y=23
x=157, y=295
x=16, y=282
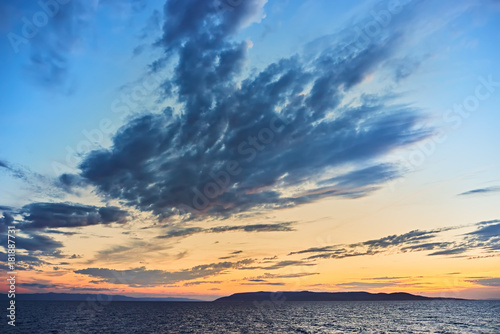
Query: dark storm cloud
x=144, y=277
x=280, y=227
x=485, y=238
x=53, y=215
x=481, y=191
x=236, y=145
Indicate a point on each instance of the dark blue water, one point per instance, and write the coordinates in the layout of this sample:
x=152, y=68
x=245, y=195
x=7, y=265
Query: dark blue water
x=292, y=317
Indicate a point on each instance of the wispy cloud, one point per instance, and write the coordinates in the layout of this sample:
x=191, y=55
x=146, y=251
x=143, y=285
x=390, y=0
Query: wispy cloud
x=493, y=281
x=485, y=238
x=481, y=191
x=144, y=277
x=280, y=227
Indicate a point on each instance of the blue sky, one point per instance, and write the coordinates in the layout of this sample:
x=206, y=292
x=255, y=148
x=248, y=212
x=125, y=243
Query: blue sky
x=130, y=105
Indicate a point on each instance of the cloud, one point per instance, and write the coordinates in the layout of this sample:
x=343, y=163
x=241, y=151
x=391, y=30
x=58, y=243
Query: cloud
x=60, y=232
x=495, y=281
x=54, y=215
x=6, y=220
x=144, y=277
x=50, y=32
x=389, y=278
x=198, y=18
x=182, y=233
x=480, y=191
x=39, y=286
x=371, y=247
x=22, y=259
x=263, y=283
x=238, y=145
x=89, y=289
x=406, y=66
x=201, y=282
x=452, y=251
x=40, y=218
x=488, y=231
x=366, y=177
x=267, y=276
x=37, y=243
x=426, y=246
x=32, y=242
x=50, y=45
x=280, y=227
x=364, y=285
x=287, y=263
x=485, y=238
x=36, y=182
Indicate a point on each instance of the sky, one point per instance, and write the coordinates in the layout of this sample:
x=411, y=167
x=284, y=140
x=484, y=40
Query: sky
x=206, y=147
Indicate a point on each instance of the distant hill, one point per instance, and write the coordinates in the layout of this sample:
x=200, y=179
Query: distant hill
x=237, y=297
x=93, y=296
x=320, y=296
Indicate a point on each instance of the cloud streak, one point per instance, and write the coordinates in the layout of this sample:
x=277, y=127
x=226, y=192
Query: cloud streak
x=144, y=277
x=280, y=227
x=486, y=238
x=480, y=191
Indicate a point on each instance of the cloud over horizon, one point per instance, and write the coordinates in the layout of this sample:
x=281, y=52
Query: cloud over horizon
x=486, y=238
x=144, y=277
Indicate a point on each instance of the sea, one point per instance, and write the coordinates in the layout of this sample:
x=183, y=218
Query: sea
x=101, y=316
